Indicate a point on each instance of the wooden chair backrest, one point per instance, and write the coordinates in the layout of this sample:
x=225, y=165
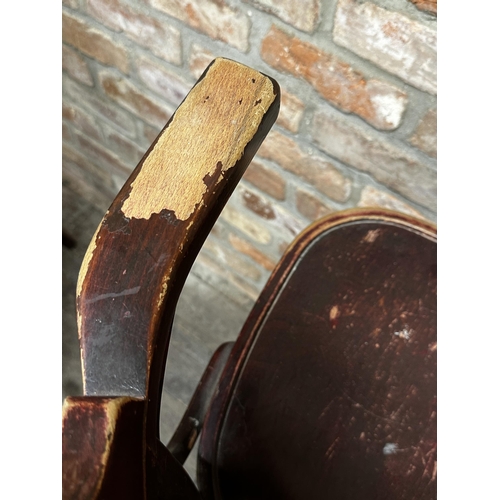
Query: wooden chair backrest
x=330, y=390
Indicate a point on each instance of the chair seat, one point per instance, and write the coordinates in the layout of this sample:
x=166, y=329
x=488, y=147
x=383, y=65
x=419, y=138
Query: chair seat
x=330, y=391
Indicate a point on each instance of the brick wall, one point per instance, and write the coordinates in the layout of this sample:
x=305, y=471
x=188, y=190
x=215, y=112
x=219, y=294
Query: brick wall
x=357, y=125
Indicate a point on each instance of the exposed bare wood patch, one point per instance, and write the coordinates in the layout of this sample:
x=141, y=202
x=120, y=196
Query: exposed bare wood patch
x=86, y=261
x=201, y=141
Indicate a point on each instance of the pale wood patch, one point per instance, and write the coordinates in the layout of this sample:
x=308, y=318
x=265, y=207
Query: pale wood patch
x=209, y=131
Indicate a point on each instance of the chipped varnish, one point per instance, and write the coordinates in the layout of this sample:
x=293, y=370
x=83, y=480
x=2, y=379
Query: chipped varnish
x=201, y=140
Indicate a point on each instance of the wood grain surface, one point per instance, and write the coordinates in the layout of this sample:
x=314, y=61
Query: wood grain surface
x=330, y=390
x=133, y=272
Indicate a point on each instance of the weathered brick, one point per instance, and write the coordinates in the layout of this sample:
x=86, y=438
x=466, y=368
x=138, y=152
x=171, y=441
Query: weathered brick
x=168, y=85
x=93, y=43
x=427, y=5
x=372, y=197
x=103, y=108
x=247, y=226
x=215, y=18
x=302, y=14
x=247, y=248
x=76, y=66
x=127, y=150
x=199, y=59
x=282, y=221
x=81, y=120
x=66, y=133
x=322, y=174
x=71, y=3
x=370, y=153
x=162, y=39
x=103, y=157
x=379, y=103
x=425, y=135
x=283, y=246
x=229, y=258
x=389, y=39
x=150, y=133
x=85, y=178
x=83, y=161
x=258, y=205
x=291, y=111
x=132, y=98
x=310, y=206
x=265, y=179
x=210, y=272
x=250, y=289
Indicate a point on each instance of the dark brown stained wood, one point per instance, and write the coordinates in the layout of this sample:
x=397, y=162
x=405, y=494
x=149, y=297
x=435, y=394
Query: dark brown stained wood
x=131, y=278
x=142, y=251
x=102, y=444
x=184, y=438
x=330, y=390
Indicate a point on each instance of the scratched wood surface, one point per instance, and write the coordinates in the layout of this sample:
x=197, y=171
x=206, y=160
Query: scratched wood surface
x=330, y=390
x=133, y=272
x=206, y=316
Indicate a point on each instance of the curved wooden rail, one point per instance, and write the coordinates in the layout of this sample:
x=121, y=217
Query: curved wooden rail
x=136, y=265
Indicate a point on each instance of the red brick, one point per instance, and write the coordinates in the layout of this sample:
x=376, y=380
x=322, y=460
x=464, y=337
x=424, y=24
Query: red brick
x=291, y=111
x=247, y=248
x=425, y=135
x=76, y=66
x=389, y=39
x=379, y=103
x=302, y=14
x=150, y=133
x=199, y=59
x=228, y=258
x=84, y=163
x=265, y=179
x=247, y=226
x=372, y=197
x=78, y=181
x=103, y=157
x=93, y=43
x=103, y=108
x=127, y=150
x=427, y=5
x=274, y=215
x=215, y=18
x=371, y=153
x=322, y=174
x=168, y=85
x=257, y=205
x=130, y=97
x=310, y=206
x=81, y=120
x=162, y=39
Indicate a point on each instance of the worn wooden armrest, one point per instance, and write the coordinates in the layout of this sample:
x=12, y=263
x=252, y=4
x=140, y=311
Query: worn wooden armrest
x=134, y=270
x=184, y=437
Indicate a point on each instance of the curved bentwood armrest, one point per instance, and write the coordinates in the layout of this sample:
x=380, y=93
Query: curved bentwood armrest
x=134, y=270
